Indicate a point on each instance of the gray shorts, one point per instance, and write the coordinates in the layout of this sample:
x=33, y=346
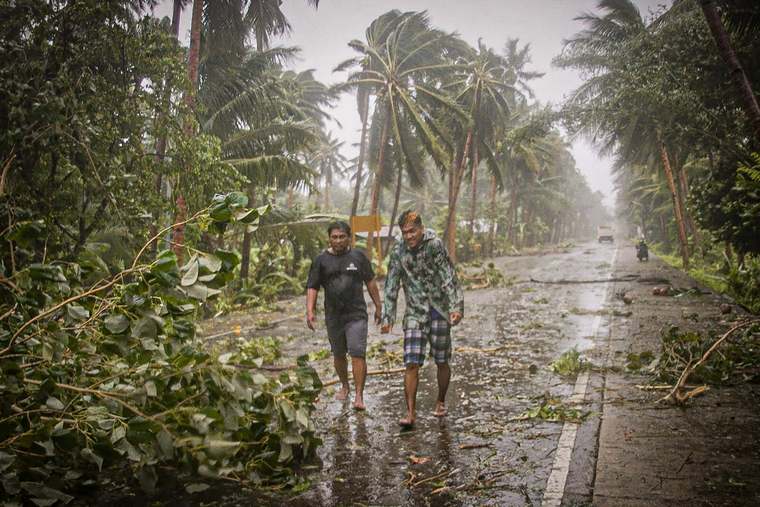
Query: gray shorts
x=348, y=337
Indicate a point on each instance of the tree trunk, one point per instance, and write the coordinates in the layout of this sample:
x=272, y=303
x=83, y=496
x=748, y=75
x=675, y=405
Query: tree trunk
x=396, y=199
x=677, y=206
x=161, y=141
x=683, y=184
x=178, y=235
x=494, y=216
x=511, y=228
x=474, y=185
x=742, y=84
x=455, y=182
x=362, y=148
x=378, y=182
x=328, y=184
x=245, y=247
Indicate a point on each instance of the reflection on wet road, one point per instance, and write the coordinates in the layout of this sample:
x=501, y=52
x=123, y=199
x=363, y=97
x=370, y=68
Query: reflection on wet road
x=479, y=454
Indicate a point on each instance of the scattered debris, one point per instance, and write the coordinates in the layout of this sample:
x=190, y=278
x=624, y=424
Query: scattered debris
x=677, y=394
x=489, y=276
x=569, y=363
x=418, y=460
x=552, y=409
x=725, y=309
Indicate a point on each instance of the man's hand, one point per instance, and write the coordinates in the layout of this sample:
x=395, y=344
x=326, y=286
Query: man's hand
x=311, y=320
x=385, y=328
x=455, y=318
x=378, y=316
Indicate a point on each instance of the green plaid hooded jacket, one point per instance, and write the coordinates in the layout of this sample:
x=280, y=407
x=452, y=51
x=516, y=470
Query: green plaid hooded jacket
x=429, y=281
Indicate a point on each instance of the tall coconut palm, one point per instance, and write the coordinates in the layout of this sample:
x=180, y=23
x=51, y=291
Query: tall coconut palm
x=399, y=74
x=375, y=36
x=480, y=87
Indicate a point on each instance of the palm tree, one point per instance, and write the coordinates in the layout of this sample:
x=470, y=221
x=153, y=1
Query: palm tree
x=616, y=107
x=399, y=72
x=480, y=86
x=327, y=160
x=376, y=35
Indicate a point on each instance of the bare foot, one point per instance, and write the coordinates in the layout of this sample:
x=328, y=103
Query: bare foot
x=342, y=394
x=406, y=422
x=359, y=404
x=440, y=409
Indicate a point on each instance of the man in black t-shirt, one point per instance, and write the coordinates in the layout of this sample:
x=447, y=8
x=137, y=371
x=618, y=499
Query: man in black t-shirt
x=343, y=272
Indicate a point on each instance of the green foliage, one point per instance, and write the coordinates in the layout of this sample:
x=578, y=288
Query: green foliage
x=110, y=372
x=263, y=350
x=743, y=283
x=553, y=410
x=569, y=363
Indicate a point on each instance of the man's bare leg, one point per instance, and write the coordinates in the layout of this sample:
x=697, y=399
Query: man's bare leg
x=444, y=376
x=341, y=368
x=411, y=379
x=359, y=370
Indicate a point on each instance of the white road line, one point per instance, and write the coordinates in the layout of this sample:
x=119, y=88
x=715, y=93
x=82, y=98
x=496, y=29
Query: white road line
x=555, y=485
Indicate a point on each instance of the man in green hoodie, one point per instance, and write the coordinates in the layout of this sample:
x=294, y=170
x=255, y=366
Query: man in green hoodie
x=434, y=303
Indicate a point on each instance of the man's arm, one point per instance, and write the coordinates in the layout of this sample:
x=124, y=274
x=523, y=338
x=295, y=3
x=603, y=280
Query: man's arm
x=392, y=284
x=374, y=293
x=311, y=308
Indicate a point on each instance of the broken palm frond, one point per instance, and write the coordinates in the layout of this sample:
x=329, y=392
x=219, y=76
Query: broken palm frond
x=626, y=278
x=676, y=394
x=553, y=410
x=369, y=373
x=569, y=363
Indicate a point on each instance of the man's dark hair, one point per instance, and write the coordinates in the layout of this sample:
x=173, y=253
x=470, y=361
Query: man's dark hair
x=410, y=217
x=340, y=224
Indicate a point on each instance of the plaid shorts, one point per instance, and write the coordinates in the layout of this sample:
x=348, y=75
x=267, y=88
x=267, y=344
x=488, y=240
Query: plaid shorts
x=438, y=334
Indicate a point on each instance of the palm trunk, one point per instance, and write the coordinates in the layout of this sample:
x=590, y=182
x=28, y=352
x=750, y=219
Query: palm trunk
x=378, y=183
x=474, y=186
x=178, y=234
x=511, y=232
x=396, y=199
x=683, y=184
x=492, y=231
x=360, y=162
x=739, y=77
x=677, y=206
x=455, y=182
x=328, y=184
x=245, y=247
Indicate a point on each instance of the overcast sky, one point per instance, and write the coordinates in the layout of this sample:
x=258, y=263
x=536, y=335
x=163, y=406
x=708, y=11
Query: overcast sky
x=323, y=35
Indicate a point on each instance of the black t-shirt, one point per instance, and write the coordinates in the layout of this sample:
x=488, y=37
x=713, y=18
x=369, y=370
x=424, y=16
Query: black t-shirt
x=343, y=277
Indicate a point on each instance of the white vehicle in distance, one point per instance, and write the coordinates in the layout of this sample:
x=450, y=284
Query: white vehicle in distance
x=604, y=233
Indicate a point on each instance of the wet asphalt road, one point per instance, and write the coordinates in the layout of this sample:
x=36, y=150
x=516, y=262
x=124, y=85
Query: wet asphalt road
x=479, y=454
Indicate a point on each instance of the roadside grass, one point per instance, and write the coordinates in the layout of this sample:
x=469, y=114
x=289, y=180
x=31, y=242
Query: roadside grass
x=706, y=274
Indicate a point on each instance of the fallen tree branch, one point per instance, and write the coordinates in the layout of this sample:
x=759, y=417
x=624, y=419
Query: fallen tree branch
x=626, y=278
x=373, y=372
x=676, y=394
